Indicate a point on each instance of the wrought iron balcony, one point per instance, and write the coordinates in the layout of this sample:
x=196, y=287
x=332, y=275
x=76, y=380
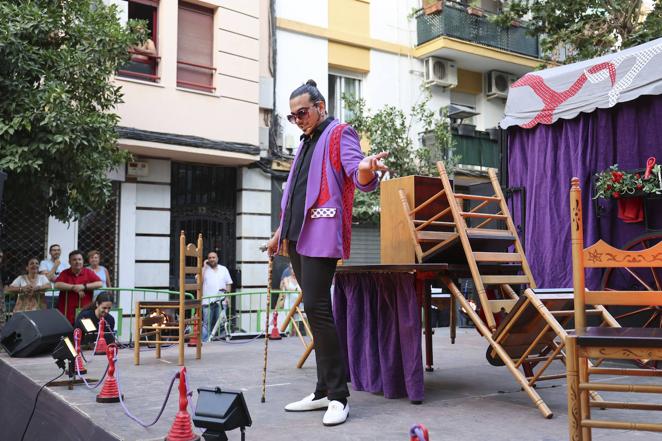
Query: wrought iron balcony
x=454, y=21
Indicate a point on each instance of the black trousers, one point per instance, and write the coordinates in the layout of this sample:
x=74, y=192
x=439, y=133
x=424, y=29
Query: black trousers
x=315, y=275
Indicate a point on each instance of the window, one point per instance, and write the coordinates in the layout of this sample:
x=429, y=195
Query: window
x=144, y=58
x=340, y=86
x=195, y=30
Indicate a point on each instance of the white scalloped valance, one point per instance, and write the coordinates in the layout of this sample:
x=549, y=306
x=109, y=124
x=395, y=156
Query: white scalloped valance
x=563, y=92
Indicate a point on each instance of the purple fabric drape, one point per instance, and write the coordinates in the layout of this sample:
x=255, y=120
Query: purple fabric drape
x=545, y=158
x=379, y=326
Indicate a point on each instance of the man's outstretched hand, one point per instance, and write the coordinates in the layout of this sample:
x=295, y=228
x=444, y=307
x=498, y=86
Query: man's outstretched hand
x=373, y=163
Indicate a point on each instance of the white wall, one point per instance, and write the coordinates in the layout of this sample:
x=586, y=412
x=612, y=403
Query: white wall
x=164, y=107
x=389, y=22
x=300, y=58
x=491, y=112
x=314, y=12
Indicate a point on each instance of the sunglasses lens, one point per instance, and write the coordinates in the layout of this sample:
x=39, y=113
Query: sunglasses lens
x=290, y=118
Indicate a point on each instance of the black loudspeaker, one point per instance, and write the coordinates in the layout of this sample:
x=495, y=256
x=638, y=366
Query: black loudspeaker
x=34, y=332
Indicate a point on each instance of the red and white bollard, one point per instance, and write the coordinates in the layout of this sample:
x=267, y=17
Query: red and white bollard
x=110, y=392
x=102, y=345
x=275, y=333
x=80, y=366
x=182, y=429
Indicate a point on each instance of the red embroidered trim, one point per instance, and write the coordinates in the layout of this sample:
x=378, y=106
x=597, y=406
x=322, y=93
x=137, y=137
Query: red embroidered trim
x=347, y=206
x=347, y=188
x=324, y=195
x=334, y=152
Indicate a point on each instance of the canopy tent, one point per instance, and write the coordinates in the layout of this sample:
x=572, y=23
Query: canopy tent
x=577, y=120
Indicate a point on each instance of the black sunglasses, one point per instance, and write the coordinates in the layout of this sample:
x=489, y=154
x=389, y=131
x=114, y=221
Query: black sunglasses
x=299, y=114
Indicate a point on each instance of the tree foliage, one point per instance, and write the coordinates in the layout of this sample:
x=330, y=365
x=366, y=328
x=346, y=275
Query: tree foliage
x=57, y=126
x=585, y=28
x=390, y=129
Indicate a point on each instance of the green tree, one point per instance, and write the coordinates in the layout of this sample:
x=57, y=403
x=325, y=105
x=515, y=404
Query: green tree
x=585, y=28
x=57, y=126
x=389, y=129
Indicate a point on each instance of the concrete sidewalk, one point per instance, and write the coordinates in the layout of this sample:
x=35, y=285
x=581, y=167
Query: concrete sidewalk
x=466, y=398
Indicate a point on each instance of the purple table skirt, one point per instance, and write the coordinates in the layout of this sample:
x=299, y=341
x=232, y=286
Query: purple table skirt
x=379, y=325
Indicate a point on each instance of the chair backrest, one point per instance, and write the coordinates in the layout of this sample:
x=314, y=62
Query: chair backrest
x=603, y=255
x=195, y=251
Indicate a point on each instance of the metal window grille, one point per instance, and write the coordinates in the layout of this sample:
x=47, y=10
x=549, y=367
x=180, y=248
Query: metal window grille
x=203, y=200
x=23, y=231
x=99, y=230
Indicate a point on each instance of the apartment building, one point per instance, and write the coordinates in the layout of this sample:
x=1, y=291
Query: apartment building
x=191, y=119
x=387, y=51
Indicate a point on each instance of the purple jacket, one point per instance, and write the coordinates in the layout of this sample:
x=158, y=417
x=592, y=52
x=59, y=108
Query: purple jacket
x=333, y=174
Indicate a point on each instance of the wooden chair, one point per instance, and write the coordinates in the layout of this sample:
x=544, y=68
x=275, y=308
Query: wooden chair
x=296, y=311
x=611, y=343
x=147, y=326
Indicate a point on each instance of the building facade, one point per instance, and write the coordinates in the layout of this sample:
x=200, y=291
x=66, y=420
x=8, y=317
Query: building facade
x=191, y=117
x=390, y=52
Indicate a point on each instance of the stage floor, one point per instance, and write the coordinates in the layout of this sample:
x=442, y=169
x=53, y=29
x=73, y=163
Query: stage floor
x=466, y=398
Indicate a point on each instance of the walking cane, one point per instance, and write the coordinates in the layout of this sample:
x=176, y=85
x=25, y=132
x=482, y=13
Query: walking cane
x=266, y=329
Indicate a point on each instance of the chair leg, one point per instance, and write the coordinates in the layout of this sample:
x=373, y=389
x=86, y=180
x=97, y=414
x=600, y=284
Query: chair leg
x=136, y=337
x=572, y=375
x=584, y=397
x=453, y=319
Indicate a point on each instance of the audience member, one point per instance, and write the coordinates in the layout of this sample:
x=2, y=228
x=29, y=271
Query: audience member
x=93, y=259
x=30, y=288
x=75, y=284
x=215, y=279
x=100, y=307
x=51, y=268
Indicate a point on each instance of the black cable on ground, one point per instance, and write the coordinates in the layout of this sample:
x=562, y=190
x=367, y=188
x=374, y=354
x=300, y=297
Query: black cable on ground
x=34, y=406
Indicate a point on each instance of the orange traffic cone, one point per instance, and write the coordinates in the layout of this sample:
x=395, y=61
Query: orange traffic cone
x=110, y=392
x=181, y=429
x=80, y=366
x=102, y=345
x=274, y=334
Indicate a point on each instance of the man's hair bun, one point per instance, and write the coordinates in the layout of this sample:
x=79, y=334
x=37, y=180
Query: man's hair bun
x=311, y=83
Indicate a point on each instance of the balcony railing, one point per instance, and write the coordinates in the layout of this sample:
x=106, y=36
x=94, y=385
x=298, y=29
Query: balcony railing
x=454, y=21
x=143, y=66
x=202, y=74
x=478, y=150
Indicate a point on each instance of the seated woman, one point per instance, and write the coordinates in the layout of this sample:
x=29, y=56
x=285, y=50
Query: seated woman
x=30, y=288
x=100, y=307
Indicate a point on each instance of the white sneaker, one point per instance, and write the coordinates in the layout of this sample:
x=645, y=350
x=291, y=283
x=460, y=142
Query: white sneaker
x=335, y=414
x=308, y=403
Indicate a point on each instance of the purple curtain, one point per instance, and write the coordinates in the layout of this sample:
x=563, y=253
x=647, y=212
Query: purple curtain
x=379, y=326
x=544, y=159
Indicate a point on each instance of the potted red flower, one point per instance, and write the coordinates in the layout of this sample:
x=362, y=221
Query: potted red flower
x=628, y=187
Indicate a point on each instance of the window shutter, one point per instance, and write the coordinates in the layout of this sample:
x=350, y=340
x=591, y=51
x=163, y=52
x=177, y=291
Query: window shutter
x=195, y=47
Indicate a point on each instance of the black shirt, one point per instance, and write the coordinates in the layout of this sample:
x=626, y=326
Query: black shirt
x=91, y=337
x=296, y=202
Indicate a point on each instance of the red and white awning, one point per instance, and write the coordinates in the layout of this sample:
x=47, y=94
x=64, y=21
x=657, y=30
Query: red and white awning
x=563, y=92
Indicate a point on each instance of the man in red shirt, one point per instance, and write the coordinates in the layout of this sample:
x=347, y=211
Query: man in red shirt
x=76, y=285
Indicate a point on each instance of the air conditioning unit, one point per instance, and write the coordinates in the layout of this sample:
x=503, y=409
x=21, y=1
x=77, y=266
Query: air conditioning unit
x=498, y=84
x=440, y=72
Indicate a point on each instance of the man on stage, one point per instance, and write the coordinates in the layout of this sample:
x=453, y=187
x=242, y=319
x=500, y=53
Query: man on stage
x=315, y=231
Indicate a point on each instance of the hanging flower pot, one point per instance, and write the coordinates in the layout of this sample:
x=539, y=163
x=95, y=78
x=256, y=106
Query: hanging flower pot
x=631, y=210
x=472, y=10
x=432, y=6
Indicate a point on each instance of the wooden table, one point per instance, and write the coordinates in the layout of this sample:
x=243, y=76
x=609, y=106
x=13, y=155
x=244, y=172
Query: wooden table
x=424, y=274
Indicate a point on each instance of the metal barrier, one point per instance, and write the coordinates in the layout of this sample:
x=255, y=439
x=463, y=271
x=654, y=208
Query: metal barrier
x=244, y=314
